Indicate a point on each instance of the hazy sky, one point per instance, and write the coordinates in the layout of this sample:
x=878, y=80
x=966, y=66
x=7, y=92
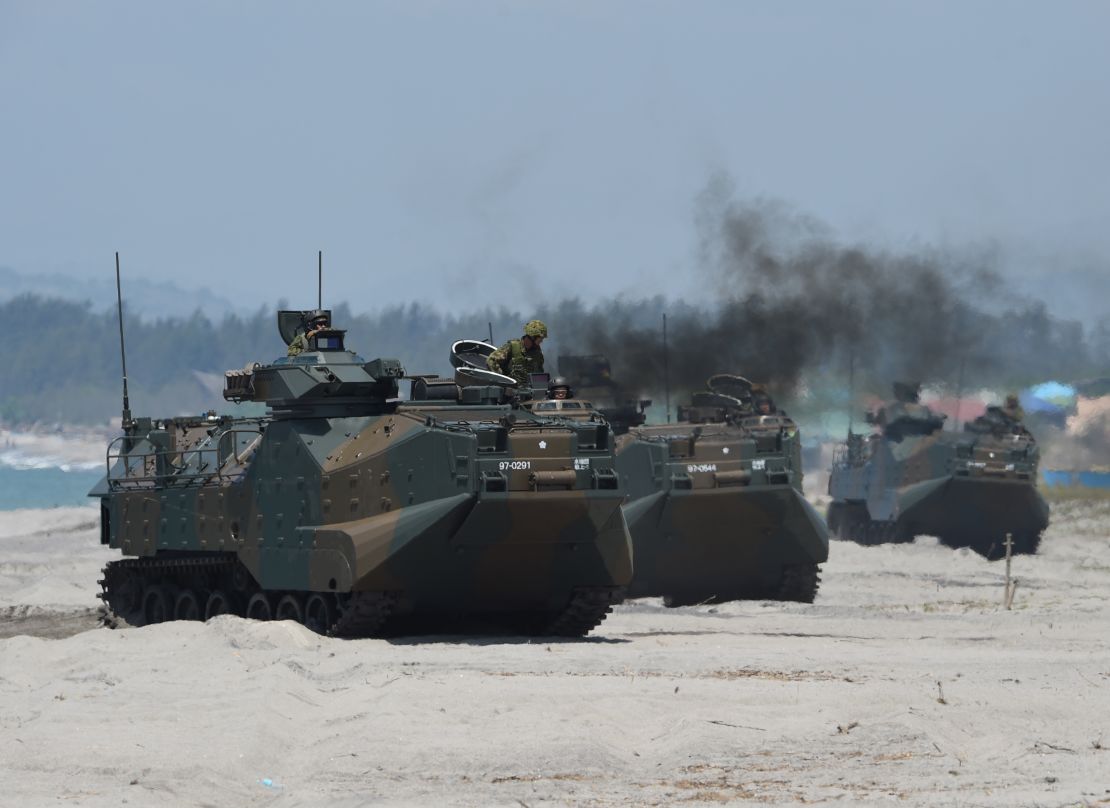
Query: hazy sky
x=498, y=151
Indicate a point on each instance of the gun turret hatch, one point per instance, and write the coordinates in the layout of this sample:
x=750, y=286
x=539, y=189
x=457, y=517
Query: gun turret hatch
x=468, y=358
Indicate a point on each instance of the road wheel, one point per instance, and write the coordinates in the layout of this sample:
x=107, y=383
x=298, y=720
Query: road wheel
x=259, y=608
x=157, y=607
x=186, y=606
x=290, y=608
x=319, y=613
x=218, y=603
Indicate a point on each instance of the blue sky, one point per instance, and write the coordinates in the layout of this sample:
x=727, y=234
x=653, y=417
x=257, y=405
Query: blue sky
x=464, y=153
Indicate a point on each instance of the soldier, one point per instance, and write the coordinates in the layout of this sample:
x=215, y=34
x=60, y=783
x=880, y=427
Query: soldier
x=559, y=389
x=762, y=403
x=317, y=323
x=519, y=357
x=1012, y=409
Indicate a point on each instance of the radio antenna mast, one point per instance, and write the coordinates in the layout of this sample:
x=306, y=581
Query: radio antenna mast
x=666, y=369
x=320, y=279
x=851, y=389
x=490, y=324
x=960, y=388
x=122, y=352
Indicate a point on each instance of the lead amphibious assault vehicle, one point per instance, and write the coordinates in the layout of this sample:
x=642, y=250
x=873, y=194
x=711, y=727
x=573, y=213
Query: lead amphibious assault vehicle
x=715, y=508
x=968, y=488
x=347, y=509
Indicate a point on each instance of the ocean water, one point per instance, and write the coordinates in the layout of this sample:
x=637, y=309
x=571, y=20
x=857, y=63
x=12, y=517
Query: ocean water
x=49, y=487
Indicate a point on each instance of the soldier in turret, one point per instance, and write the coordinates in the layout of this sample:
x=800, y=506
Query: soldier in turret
x=559, y=389
x=762, y=403
x=1012, y=409
x=315, y=323
x=520, y=357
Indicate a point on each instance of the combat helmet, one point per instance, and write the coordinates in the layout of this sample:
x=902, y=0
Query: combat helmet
x=557, y=383
x=535, y=329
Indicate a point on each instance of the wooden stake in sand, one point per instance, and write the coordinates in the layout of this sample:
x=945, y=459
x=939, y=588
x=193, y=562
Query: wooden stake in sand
x=1011, y=585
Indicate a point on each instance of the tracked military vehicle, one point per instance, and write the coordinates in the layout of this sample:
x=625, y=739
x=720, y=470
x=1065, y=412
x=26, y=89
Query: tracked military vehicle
x=715, y=507
x=912, y=477
x=590, y=375
x=347, y=509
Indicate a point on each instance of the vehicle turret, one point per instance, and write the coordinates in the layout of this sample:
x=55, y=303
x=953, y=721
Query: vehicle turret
x=324, y=381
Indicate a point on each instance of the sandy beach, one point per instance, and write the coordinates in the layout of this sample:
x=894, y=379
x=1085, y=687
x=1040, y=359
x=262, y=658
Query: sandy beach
x=907, y=683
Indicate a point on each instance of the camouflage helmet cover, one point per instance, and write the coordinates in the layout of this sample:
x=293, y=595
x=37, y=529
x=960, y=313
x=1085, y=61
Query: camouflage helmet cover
x=1011, y=400
x=535, y=328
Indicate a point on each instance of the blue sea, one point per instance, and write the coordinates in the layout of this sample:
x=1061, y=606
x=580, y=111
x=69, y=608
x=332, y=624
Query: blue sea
x=46, y=487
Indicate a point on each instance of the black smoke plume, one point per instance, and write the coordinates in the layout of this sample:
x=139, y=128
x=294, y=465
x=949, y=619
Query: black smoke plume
x=794, y=303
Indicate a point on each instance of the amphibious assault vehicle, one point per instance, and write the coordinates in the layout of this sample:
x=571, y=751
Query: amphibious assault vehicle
x=969, y=488
x=715, y=507
x=591, y=377
x=348, y=509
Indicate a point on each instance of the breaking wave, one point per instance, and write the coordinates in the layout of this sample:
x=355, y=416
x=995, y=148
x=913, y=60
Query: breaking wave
x=20, y=461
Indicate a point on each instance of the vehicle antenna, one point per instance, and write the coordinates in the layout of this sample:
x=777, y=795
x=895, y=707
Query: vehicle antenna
x=851, y=390
x=960, y=389
x=666, y=370
x=490, y=324
x=126, y=420
x=320, y=279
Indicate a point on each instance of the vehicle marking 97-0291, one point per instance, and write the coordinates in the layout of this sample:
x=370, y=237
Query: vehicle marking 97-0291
x=515, y=465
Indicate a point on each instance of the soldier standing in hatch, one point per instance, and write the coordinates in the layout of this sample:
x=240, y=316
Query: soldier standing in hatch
x=300, y=342
x=559, y=389
x=519, y=357
x=762, y=402
x=1012, y=409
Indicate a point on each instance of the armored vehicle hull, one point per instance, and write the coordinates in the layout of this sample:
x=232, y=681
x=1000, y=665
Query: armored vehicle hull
x=970, y=489
x=716, y=513
x=352, y=512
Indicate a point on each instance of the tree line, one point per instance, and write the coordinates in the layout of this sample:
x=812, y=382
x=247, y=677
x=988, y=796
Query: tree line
x=64, y=360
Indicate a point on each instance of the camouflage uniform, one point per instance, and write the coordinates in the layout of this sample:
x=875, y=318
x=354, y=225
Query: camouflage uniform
x=298, y=346
x=300, y=342
x=513, y=360
x=1012, y=409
